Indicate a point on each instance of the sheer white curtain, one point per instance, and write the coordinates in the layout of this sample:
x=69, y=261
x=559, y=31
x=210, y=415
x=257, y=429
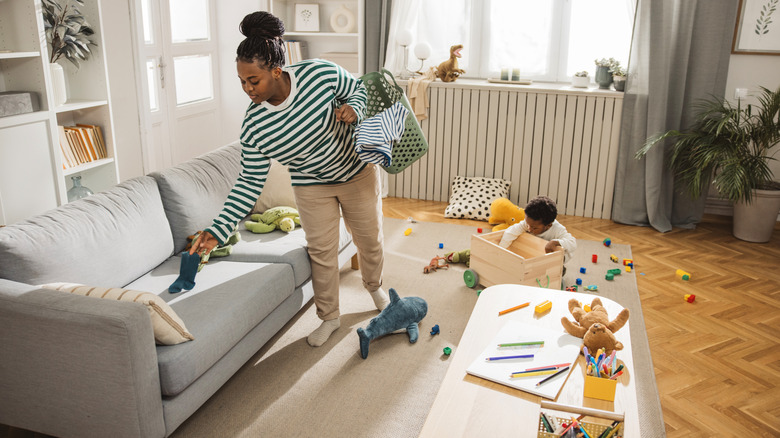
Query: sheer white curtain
x=403, y=16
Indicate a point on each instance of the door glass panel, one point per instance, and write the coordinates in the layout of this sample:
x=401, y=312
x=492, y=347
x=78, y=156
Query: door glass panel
x=146, y=11
x=189, y=20
x=154, y=85
x=193, y=78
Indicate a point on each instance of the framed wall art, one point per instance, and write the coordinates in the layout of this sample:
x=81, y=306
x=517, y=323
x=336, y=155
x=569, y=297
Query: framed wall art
x=307, y=17
x=757, y=31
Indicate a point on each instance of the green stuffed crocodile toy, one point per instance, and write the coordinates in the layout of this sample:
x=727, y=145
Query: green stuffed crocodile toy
x=283, y=218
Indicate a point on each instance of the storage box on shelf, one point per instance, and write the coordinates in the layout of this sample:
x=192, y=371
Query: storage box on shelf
x=32, y=176
x=340, y=30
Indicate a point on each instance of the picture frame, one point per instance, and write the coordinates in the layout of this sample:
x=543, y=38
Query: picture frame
x=307, y=17
x=757, y=30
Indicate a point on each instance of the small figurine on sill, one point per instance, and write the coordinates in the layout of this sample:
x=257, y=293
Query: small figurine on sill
x=448, y=70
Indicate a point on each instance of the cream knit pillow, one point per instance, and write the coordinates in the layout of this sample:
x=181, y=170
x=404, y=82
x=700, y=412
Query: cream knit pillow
x=168, y=328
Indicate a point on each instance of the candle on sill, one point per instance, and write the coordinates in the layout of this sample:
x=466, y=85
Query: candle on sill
x=515, y=74
x=505, y=74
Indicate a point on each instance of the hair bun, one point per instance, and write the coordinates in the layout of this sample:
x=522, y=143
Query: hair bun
x=262, y=24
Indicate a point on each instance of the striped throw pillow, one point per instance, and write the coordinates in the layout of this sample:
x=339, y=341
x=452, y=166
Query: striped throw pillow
x=168, y=328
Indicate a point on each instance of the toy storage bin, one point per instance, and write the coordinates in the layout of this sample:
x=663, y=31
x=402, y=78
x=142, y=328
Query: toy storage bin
x=524, y=262
x=600, y=388
x=382, y=95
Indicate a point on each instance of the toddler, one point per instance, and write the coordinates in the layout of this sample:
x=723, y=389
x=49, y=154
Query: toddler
x=540, y=214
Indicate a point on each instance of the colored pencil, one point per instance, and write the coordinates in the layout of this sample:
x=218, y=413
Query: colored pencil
x=519, y=356
x=503, y=312
x=559, y=372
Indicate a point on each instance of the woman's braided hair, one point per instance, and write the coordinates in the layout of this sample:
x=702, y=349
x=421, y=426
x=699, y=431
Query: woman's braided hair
x=263, y=42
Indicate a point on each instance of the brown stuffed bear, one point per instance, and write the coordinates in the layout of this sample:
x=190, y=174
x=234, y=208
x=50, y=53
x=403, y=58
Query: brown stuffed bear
x=594, y=327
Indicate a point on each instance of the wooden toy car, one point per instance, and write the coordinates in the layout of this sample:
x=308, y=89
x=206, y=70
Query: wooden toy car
x=524, y=262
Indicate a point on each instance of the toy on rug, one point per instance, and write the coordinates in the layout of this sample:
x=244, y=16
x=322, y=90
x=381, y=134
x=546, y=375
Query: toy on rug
x=401, y=313
x=283, y=218
x=448, y=70
x=594, y=327
x=436, y=263
x=223, y=250
x=504, y=214
x=463, y=256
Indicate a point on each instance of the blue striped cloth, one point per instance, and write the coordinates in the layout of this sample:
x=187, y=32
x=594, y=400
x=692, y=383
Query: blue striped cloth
x=374, y=137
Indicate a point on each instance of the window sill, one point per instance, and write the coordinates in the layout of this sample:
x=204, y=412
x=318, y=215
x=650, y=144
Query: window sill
x=536, y=87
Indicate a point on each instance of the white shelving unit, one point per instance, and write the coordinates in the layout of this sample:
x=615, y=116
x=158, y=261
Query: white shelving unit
x=318, y=44
x=32, y=178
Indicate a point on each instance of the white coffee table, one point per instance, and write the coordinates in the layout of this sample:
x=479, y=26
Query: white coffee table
x=468, y=406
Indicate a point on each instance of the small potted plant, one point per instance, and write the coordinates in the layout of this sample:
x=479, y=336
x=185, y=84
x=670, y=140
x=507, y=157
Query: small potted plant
x=619, y=77
x=731, y=146
x=581, y=79
x=69, y=36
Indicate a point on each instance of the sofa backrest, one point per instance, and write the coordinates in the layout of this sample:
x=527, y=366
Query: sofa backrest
x=106, y=239
x=194, y=192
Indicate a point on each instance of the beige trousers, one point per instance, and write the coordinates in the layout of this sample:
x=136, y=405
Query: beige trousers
x=360, y=200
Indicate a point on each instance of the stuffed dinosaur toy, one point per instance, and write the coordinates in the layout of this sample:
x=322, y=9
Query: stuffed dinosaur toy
x=401, y=313
x=448, y=70
x=191, y=264
x=594, y=327
x=283, y=218
x=504, y=214
x=223, y=250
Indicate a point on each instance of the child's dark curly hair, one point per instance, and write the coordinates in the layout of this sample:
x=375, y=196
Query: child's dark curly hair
x=541, y=208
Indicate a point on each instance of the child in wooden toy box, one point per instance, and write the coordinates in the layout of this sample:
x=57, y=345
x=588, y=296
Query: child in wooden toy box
x=540, y=220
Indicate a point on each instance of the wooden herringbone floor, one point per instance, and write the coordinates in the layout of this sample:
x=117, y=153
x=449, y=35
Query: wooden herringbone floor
x=717, y=360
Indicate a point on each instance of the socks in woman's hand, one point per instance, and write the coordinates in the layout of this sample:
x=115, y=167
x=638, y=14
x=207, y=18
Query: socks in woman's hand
x=187, y=271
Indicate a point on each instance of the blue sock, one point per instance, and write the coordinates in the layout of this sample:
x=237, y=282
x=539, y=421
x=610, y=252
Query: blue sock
x=187, y=271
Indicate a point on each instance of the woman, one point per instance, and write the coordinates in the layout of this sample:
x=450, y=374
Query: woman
x=304, y=116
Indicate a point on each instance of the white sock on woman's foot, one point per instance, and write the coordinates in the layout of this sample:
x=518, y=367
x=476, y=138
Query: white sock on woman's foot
x=323, y=332
x=380, y=299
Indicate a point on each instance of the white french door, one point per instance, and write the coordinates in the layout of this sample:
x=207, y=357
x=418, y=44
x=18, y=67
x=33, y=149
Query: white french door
x=180, y=61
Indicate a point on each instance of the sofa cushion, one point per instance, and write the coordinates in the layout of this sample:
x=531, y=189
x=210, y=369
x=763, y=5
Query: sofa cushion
x=168, y=328
x=109, y=238
x=471, y=197
x=280, y=247
x=194, y=192
x=228, y=300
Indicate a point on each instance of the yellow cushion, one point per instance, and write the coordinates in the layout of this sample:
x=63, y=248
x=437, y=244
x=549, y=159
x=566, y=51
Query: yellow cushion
x=168, y=328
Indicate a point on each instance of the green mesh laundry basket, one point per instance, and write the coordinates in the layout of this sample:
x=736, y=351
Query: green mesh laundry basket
x=382, y=95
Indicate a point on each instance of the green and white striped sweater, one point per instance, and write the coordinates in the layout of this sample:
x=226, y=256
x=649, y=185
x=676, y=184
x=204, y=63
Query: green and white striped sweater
x=301, y=132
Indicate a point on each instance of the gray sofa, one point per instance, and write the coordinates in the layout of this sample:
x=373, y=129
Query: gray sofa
x=74, y=366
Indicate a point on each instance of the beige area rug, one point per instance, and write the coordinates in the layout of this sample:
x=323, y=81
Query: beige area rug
x=289, y=389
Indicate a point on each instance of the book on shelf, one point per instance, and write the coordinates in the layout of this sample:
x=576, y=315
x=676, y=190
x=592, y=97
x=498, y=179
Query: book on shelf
x=81, y=144
x=294, y=51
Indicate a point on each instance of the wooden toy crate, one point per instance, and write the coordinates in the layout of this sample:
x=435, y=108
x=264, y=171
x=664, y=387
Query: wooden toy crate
x=524, y=262
x=594, y=429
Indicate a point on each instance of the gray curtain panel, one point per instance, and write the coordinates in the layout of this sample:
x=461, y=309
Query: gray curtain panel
x=679, y=54
x=377, y=26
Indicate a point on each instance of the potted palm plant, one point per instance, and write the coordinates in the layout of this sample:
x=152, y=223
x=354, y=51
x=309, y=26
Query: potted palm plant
x=731, y=146
x=69, y=36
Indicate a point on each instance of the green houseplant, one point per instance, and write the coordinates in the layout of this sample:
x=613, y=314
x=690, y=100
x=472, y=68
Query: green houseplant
x=67, y=31
x=730, y=146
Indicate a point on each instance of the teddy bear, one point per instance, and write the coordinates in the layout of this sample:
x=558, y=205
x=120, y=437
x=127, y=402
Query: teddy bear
x=594, y=327
x=283, y=218
x=504, y=214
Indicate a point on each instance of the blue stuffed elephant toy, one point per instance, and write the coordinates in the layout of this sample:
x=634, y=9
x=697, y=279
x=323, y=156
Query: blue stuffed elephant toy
x=401, y=313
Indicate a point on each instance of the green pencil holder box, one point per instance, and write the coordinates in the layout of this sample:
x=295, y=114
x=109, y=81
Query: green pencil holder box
x=600, y=388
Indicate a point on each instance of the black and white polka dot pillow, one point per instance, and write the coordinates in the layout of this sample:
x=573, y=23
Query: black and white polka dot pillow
x=471, y=197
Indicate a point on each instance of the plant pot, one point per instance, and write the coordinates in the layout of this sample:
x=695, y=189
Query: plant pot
x=603, y=77
x=58, y=84
x=580, y=81
x=756, y=221
x=619, y=82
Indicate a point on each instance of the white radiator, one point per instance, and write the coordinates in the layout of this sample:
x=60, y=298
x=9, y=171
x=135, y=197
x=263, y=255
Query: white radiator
x=558, y=143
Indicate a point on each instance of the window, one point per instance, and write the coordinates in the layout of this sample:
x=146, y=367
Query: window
x=547, y=40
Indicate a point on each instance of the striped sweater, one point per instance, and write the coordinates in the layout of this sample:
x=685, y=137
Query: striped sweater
x=301, y=132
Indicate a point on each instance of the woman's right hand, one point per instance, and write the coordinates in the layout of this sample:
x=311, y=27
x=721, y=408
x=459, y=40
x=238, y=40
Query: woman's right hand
x=204, y=244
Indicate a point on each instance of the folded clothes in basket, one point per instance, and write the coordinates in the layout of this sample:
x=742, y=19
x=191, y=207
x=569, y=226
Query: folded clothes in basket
x=374, y=137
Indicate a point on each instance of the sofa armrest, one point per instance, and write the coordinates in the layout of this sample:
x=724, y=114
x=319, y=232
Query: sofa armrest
x=77, y=366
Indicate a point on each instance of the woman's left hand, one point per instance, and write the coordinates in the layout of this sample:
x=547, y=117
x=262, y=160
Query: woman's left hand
x=346, y=114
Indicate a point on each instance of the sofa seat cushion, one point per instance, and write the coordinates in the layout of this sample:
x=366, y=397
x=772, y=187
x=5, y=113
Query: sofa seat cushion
x=280, y=247
x=107, y=239
x=228, y=300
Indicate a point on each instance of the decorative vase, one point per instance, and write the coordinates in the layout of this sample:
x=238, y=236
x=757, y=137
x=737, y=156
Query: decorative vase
x=58, y=84
x=343, y=20
x=603, y=77
x=78, y=191
x=580, y=81
x=756, y=221
x=619, y=82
